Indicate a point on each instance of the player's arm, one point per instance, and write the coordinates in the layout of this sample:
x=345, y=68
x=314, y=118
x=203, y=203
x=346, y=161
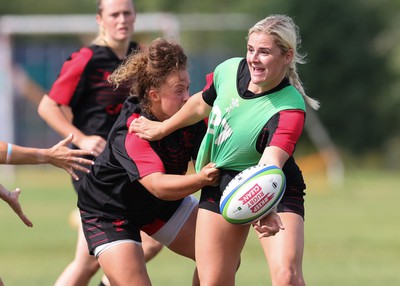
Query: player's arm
x=57, y=118
x=285, y=129
x=59, y=155
x=271, y=224
x=175, y=187
x=273, y=155
x=194, y=110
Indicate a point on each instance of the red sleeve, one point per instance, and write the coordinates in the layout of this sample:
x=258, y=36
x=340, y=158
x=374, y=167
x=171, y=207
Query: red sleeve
x=71, y=72
x=209, y=81
x=288, y=130
x=209, y=93
x=140, y=151
x=131, y=118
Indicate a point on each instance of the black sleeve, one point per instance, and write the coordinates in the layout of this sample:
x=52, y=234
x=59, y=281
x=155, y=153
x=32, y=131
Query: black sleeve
x=209, y=95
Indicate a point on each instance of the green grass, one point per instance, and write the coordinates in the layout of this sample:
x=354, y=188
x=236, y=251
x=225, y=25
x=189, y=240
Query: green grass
x=352, y=235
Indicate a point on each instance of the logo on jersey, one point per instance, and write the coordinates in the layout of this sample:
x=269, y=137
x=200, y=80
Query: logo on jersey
x=234, y=104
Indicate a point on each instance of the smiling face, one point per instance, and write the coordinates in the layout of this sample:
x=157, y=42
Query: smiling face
x=116, y=18
x=170, y=96
x=266, y=62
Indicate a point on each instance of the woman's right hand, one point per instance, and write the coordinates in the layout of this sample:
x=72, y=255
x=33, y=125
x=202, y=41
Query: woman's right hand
x=211, y=175
x=146, y=129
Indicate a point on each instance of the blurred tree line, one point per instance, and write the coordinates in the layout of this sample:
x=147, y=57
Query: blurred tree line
x=353, y=56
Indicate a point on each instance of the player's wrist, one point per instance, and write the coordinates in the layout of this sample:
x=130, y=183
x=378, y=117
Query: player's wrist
x=162, y=128
x=42, y=156
x=78, y=139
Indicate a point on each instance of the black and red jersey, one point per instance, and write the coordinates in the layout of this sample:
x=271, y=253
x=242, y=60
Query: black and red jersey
x=112, y=190
x=82, y=84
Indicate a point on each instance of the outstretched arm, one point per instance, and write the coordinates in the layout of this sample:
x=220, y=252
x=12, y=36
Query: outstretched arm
x=59, y=155
x=281, y=148
x=194, y=110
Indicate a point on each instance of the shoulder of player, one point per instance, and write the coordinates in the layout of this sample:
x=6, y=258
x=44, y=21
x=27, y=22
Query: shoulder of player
x=84, y=54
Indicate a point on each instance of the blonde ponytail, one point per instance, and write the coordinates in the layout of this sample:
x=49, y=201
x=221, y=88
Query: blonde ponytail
x=296, y=82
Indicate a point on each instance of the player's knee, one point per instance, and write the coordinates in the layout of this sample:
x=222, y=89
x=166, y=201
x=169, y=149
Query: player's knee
x=287, y=277
x=89, y=266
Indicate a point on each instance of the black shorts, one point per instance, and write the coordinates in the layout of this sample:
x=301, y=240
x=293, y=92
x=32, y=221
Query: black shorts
x=80, y=174
x=292, y=200
x=99, y=231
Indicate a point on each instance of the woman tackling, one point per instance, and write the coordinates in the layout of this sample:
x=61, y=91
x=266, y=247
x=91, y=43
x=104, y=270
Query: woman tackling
x=136, y=185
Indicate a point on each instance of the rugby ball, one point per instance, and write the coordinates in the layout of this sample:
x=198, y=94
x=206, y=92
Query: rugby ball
x=252, y=194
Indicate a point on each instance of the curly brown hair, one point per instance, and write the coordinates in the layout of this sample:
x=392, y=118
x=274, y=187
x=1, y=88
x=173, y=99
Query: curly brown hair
x=149, y=68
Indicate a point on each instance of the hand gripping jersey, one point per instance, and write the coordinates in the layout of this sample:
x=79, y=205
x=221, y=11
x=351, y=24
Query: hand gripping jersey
x=235, y=122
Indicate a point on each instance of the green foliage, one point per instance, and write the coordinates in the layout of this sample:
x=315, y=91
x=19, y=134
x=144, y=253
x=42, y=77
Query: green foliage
x=22, y=7
x=178, y=6
x=344, y=71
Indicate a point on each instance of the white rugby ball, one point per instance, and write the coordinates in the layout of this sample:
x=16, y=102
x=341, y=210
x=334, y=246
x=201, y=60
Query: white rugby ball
x=252, y=194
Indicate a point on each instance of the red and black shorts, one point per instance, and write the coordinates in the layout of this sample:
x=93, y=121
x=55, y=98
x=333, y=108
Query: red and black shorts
x=99, y=231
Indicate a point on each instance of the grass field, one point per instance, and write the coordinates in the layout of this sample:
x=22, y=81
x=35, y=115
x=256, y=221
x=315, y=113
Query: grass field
x=352, y=234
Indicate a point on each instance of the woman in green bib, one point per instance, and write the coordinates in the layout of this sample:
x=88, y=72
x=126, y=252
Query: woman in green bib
x=256, y=109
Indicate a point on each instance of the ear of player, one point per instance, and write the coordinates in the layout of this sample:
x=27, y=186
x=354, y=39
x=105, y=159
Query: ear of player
x=252, y=194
